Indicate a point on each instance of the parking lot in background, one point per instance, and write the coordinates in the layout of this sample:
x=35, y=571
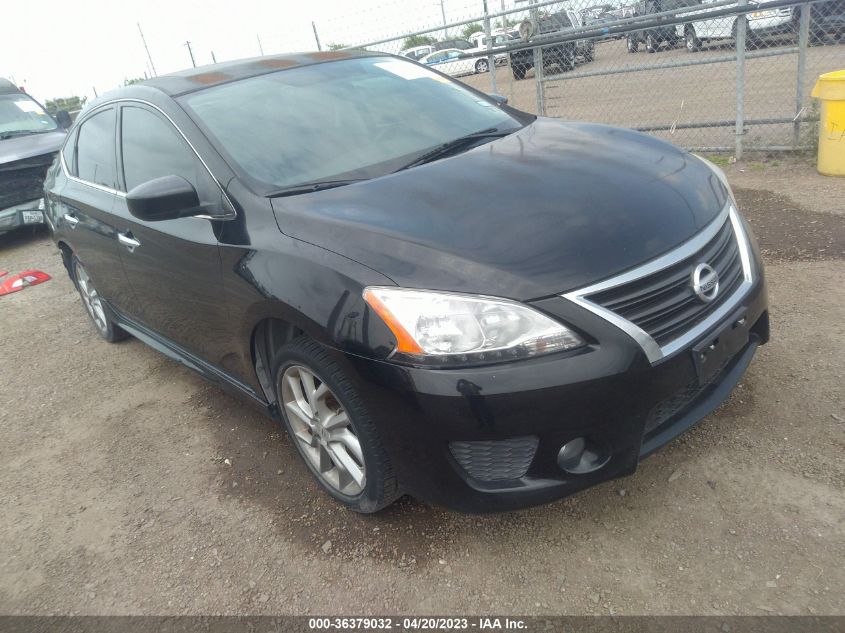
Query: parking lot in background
x=662, y=96
x=129, y=485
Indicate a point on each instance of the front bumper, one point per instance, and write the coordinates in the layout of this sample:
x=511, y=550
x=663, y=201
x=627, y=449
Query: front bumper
x=29, y=213
x=606, y=392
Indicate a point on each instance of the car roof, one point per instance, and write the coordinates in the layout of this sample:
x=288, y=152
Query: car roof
x=193, y=79
x=7, y=87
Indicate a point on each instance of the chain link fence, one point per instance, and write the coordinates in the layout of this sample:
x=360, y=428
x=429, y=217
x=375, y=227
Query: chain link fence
x=708, y=75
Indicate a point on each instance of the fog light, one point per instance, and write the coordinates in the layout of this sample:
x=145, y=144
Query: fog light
x=582, y=455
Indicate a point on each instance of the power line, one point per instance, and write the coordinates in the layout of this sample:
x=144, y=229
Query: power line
x=143, y=39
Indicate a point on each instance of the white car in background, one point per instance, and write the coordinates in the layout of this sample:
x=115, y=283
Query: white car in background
x=417, y=52
x=499, y=38
x=449, y=61
x=760, y=24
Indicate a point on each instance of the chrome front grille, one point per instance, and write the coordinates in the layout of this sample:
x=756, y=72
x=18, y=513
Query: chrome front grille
x=656, y=304
x=663, y=304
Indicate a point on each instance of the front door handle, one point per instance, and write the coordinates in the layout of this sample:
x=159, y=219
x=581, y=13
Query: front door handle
x=72, y=220
x=129, y=241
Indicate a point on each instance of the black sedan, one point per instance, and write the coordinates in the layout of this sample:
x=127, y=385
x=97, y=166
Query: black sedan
x=437, y=294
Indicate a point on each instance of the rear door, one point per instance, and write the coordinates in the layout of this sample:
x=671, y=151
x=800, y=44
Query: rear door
x=86, y=203
x=173, y=266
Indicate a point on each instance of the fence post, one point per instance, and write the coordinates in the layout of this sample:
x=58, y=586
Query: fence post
x=538, y=61
x=491, y=62
x=740, y=80
x=803, y=41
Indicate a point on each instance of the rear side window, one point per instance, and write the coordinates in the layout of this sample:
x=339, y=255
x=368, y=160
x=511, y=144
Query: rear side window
x=95, y=149
x=152, y=148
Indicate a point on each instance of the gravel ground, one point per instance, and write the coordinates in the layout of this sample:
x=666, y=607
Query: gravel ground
x=130, y=486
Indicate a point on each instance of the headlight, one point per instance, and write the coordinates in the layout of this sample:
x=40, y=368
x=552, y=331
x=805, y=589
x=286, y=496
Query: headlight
x=442, y=327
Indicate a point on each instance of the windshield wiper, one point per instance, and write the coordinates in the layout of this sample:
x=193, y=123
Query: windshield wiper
x=450, y=146
x=10, y=134
x=310, y=187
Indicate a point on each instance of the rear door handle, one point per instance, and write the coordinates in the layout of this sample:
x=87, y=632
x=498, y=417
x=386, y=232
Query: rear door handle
x=72, y=220
x=129, y=241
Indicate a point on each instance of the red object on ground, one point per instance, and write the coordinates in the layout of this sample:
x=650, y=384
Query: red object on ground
x=22, y=280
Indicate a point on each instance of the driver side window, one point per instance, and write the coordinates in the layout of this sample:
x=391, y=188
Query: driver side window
x=152, y=148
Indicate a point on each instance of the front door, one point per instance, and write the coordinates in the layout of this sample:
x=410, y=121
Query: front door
x=173, y=266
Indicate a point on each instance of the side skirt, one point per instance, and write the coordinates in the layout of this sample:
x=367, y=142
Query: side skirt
x=208, y=371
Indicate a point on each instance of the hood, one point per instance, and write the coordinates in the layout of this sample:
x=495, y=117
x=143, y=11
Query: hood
x=548, y=209
x=20, y=147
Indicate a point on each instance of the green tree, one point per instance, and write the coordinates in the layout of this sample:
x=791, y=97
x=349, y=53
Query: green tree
x=417, y=40
x=336, y=47
x=129, y=82
x=65, y=103
x=469, y=29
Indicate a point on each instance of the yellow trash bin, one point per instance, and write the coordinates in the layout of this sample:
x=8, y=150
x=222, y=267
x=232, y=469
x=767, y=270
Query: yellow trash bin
x=830, y=89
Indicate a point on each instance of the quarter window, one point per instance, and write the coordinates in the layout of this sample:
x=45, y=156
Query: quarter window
x=95, y=149
x=69, y=152
x=152, y=149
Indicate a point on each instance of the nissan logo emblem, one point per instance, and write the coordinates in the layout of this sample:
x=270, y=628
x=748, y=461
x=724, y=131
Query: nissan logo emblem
x=705, y=282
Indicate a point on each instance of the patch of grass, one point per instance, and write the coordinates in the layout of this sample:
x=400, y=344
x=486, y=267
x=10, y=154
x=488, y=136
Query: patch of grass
x=757, y=166
x=719, y=159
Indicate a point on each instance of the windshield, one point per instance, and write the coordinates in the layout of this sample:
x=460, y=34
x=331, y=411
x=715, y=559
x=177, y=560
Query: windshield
x=21, y=114
x=350, y=119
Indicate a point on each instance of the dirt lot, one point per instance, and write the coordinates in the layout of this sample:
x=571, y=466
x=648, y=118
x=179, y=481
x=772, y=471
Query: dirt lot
x=117, y=497
x=678, y=95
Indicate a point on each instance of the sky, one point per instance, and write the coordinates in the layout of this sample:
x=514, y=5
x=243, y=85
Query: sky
x=73, y=47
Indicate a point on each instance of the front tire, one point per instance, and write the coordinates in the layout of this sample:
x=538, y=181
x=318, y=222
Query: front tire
x=100, y=314
x=633, y=45
x=481, y=66
x=329, y=424
x=651, y=45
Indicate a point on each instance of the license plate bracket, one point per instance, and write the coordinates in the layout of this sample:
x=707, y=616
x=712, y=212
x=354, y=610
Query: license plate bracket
x=711, y=354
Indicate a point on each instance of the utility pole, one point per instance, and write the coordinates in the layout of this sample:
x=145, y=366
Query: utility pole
x=147, y=48
x=504, y=18
x=213, y=58
x=316, y=37
x=191, y=53
x=443, y=13
x=260, y=48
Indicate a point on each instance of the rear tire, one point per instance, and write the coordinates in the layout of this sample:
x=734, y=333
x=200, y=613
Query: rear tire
x=632, y=44
x=338, y=440
x=651, y=45
x=481, y=66
x=518, y=71
x=100, y=314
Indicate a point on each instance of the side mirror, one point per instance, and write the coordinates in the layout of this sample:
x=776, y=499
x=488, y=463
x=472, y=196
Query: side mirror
x=63, y=119
x=165, y=198
x=499, y=99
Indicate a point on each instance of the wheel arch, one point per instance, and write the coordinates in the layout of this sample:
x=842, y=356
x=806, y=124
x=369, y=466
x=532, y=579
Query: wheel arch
x=267, y=336
x=67, y=256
